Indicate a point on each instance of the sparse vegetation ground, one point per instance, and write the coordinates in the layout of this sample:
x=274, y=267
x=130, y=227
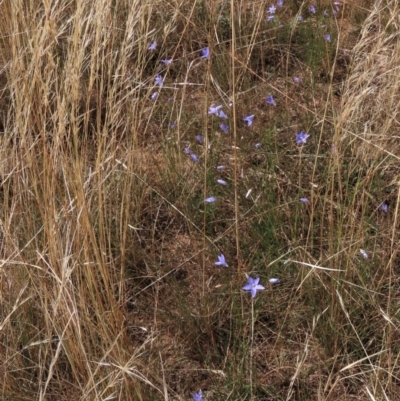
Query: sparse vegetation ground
x=108, y=283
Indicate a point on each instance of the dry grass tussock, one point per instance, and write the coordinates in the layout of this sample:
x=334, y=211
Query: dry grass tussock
x=371, y=95
x=107, y=279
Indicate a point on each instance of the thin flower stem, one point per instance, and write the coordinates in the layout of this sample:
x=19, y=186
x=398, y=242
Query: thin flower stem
x=251, y=349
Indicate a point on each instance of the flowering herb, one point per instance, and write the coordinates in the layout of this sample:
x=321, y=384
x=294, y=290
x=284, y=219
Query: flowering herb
x=270, y=17
x=221, y=261
x=257, y=145
x=222, y=114
x=198, y=396
x=167, y=61
x=153, y=45
x=297, y=80
x=154, y=96
x=327, y=37
x=279, y=3
x=211, y=199
x=214, y=109
x=364, y=254
x=194, y=157
x=274, y=280
x=253, y=286
x=199, y=139
x=219, y=168
x=312, y=9
x=249, y=120
x=301, y=138
x=271, y=100
x=337, y=5
x=205, y=53
x=271, y=9
x=172, y=124
x=158, y=80
x=300, y=18
x=224, y=127
x=304, y=200
x=222, y=182
x=384, y=207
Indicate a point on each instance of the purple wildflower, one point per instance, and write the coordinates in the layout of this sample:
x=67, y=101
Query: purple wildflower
x=172, y=124
x=219, y=168
x=194, y=157
x=364, y=254
x=301, y=138
x=271, y=100
x=153, y=45
x=249, y=120
x=224, y=127
x=327, y=37
x=257, y=145
x=253, y=286
x=214, y=109
x=271, y=9
x=221, y=261
x=279, y=3
x=205, y=53
x=167, y=61
x=222, y=114
x=222, y=182
x=199, y=139
x=297, y=80
x=270, y=17
x=304, y=200
x=312, y=9
x=300, y=18
x=384, y=207
x=158, y=80
x=211, y=199
x=274, y=280
x=336, y=8
x=154, y=96
x=197, y=396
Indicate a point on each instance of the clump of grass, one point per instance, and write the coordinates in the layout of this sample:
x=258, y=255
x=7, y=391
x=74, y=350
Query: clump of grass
x=108, y=279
